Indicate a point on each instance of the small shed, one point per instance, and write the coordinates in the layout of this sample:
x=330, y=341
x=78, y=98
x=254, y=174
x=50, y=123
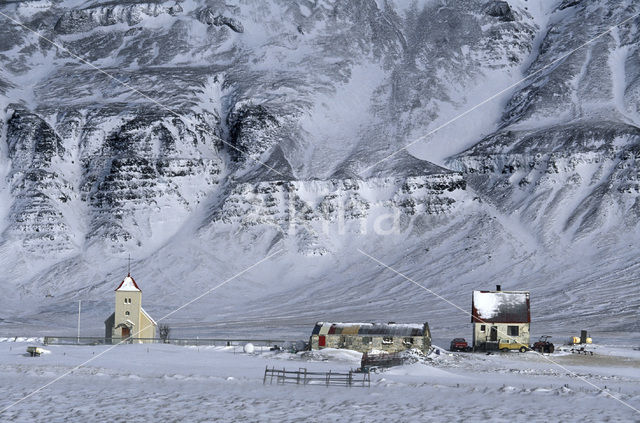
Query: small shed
x=365, y=337
x=500, y=317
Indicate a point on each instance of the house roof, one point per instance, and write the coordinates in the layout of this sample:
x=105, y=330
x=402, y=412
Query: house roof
x=391, y=329
x=500, y=307
x=128, y=284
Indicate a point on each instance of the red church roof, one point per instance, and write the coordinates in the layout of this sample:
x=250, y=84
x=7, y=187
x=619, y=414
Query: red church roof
x=128, y=284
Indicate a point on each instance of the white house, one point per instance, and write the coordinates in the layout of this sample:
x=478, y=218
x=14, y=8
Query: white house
x=129, y=320
x=500, y=318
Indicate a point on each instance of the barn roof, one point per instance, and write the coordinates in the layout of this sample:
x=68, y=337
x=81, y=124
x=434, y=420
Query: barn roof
x=128, y=284
x=500, y=307
x=370, y=329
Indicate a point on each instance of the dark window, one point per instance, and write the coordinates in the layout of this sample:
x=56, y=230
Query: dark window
x=513, y=330
x=366, y=340
x=483, y=328
x=387, y=340
x=407, y=341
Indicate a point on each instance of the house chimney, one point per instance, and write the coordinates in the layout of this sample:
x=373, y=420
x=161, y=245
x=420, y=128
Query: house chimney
x=498, y=288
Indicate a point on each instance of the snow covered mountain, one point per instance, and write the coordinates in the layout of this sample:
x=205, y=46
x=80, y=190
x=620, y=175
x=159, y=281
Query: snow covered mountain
x=200, y=136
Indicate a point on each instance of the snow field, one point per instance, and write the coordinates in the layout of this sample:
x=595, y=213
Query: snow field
x=141, y=383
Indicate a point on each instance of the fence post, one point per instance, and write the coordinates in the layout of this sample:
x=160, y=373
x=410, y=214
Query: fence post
x=328, y=377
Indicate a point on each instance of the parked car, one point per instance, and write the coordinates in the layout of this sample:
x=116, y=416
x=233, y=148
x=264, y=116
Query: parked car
x=506, y=345
x=459, y=344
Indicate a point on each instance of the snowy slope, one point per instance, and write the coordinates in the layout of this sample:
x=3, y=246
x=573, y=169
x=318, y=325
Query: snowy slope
x=536, y=190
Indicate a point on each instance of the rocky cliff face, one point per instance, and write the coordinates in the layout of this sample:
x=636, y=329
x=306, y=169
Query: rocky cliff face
x=41, y=190
x=320, y=209
x=99, y=178
x=238, y=98
x=564, y=157
x=217, y=128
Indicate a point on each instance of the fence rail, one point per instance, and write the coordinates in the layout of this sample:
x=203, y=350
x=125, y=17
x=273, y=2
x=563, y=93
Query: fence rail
x=304, y=377
x=90, y=340
x=381, y=361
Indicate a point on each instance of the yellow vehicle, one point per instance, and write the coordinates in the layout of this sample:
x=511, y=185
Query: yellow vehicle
x=35, y=351
x=506, y=345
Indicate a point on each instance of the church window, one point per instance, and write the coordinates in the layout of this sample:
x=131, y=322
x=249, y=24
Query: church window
x=126, y=313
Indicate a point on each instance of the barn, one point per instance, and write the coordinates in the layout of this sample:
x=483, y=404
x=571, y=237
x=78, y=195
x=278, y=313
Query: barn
x=501, y=319
x=364, y=337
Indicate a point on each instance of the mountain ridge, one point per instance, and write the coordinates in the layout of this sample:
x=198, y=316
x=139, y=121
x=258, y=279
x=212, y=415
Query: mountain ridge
x=539, y=182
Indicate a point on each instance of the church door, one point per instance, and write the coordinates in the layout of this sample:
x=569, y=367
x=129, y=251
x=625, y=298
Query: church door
x=126, y=332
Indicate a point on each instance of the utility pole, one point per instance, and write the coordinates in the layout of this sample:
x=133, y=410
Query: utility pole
x=79, y=310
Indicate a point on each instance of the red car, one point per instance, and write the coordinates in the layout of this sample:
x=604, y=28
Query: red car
x=459, y=344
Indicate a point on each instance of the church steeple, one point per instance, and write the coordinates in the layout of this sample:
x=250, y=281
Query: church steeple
x=128, y=284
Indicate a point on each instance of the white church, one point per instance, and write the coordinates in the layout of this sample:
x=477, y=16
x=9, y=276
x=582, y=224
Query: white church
x=129, y=320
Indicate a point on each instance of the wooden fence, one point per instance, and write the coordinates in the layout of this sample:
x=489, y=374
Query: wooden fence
x=304, y=377
x=380, y=361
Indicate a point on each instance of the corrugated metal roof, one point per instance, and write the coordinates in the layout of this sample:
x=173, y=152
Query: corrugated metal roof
x=350, y=330
x=500, y=307
x=324, y=329
x=316, y=330
x=390, y=329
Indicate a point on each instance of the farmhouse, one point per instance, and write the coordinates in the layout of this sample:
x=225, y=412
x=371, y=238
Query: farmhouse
x=364, y=337
x=129, y=318
x=501, y=319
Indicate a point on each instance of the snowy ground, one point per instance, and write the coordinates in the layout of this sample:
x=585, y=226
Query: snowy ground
x=142, y=383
